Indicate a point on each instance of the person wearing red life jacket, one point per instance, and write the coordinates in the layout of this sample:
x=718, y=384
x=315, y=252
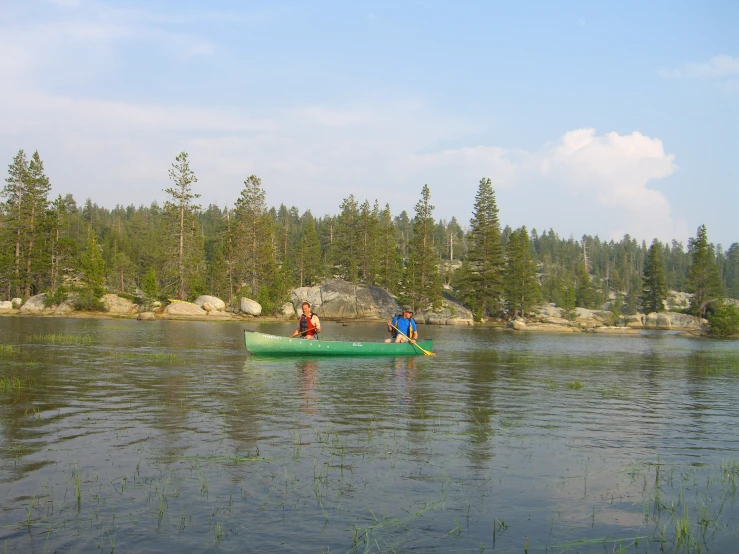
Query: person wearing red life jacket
x=308, y=325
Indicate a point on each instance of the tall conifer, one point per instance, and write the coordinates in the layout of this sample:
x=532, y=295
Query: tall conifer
x=654, y=290
x=253, y=237
x=704, y=280
x=422, y=282
x=14, y=193
x=183, y=234
x=521, y=284
x=484, y=286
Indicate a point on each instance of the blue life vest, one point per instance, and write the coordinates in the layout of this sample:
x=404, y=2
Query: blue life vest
x=405, y=326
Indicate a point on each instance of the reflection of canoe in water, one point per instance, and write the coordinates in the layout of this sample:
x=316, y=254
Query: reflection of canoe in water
x=261, y=343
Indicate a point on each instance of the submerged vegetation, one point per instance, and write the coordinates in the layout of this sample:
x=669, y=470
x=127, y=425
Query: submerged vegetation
x=61, y=338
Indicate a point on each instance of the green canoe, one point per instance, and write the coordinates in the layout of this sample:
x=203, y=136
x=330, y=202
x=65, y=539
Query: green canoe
x=262, y=343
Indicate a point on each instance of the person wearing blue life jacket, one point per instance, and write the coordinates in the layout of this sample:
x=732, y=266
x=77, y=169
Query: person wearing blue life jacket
x=405, y=324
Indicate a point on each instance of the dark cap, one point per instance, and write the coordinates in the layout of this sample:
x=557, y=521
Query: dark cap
x=408, y=309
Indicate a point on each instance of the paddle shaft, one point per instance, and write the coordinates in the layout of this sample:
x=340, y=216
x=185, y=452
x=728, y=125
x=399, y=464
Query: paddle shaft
x=314, y=329
x=425, y=352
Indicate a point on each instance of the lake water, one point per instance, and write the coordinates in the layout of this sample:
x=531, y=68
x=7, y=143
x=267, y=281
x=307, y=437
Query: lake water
x=130, y=436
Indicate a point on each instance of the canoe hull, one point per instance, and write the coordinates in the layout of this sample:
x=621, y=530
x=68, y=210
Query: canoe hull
x=272, y=345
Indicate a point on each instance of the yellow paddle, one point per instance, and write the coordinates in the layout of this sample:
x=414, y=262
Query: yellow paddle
x=425, y=352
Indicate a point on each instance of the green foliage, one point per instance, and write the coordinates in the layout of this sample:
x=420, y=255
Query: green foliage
x=57, y=297
x=93, y=266
x=151, y=285
x=731, y=271
x=184, y=240
x=723, y=319
x=484, y=286
x=704, y=280
x=308, y=257
x=421, y=287
x=521, y=284
x=389, y=262
x=253, y=236
x=584, y=291
x=653, y=287
x=274, y=293
x=88, y=301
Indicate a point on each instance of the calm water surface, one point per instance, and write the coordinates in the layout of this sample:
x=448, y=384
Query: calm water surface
x=128, y=436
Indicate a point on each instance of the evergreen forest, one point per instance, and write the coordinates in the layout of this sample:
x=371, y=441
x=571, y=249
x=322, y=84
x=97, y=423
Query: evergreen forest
x=181, y=249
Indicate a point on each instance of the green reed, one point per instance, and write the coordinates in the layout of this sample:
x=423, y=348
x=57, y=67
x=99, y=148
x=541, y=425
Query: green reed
x=8, y=384
x=61, y=338
x=8, y=349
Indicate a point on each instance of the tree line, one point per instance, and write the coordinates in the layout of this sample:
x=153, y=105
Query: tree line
x=182, y=250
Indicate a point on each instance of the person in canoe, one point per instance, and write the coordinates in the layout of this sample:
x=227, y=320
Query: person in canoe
x=403, y=327
x=308, y=325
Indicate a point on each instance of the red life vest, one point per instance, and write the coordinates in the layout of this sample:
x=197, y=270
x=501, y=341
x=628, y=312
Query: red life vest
x=307, y=329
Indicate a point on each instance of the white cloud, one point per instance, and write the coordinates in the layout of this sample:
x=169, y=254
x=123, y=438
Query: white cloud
x=579, y=183
x=716, y=67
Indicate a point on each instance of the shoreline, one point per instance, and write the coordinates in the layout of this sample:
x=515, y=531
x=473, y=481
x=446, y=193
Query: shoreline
x=497, y=326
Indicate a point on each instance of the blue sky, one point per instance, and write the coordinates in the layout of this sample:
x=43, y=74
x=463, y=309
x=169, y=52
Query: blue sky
x=589, y=117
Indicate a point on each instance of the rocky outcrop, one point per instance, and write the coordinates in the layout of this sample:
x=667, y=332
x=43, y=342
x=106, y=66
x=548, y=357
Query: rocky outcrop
x=6, y=307
x=673, y=320
x=615, y=331
x=184, y=309
x=452, y=313
x=635, y=321
x=215, y=302
x=250, y=307
x=518, y=324
x=35, y=305
x=146, y=316
x=66, y=307
x=287, y=310
x=17, y=303
x=340, y=299
x=116, y=305
x=677, y=300
x=551, y=328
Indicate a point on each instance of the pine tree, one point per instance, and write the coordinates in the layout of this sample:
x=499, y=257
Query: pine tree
x=389, y=255
x=348, y=240
x=731, y=271
x=369, y=223
x=14, y=193
x=653, y=282
x=309, y=261
x=584, y=294
x=151, y=285
x=180, y=214
x=485, y=287
x=93, y=276
x=521, y=284
x=704, y=280
x=421, y=281
x=33, y=212
x=253, y=237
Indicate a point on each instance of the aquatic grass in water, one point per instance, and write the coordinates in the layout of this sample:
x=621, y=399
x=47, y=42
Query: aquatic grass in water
x=10, y=384
x=61, y=338
x=8, y=349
